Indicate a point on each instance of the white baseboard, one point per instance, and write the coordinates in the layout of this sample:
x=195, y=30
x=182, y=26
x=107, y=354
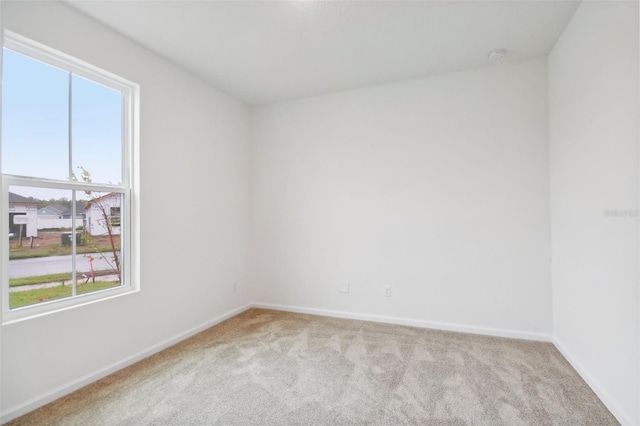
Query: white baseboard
x=497, y=332
x=609, y=402
x=67, y=388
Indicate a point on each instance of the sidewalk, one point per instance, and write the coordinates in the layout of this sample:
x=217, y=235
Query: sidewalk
x=112, y=277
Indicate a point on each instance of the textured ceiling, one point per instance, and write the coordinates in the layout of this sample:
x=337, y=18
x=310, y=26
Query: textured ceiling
x=269, y=51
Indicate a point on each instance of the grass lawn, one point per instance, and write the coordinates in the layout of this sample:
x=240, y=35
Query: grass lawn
x=30, y=297
x=54, y=278
x=40, y=279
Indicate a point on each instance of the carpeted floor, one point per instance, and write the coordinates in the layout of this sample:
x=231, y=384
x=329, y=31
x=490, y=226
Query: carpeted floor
x=275, y=368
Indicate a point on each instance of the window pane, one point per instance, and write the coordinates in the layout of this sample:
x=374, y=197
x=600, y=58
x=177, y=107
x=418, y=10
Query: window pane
x=35, y=123
x=102, y=266
x=96, y=131
x=40, y=267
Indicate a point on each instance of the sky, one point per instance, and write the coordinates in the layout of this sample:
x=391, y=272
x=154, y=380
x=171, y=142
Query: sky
x=36, y=131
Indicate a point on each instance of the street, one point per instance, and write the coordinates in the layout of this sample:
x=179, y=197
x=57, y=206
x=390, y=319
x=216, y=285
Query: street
x=58, y=264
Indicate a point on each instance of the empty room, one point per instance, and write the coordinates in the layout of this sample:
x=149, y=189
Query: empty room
x=320, y=212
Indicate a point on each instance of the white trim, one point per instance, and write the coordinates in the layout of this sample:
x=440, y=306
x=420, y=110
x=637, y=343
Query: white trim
x=436, y=325
x=637, y=413
x=60, y=391
x=52, y=57
x=4, y=222
x=28, y=312
x=62, y=184
x=606, y=399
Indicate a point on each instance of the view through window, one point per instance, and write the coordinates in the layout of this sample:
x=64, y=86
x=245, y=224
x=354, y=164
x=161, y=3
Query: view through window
x=65, y=176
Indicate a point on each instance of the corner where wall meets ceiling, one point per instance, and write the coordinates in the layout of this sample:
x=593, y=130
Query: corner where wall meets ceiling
x=265, y=52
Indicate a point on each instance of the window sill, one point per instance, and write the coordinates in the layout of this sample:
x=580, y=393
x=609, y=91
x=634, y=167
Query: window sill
x=26, y=313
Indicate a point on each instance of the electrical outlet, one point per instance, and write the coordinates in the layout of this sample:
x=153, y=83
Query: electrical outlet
x=387, y=291
x=343, y=287
x=235, y=287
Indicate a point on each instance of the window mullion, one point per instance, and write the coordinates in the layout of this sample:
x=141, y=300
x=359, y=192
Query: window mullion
x=74, y=275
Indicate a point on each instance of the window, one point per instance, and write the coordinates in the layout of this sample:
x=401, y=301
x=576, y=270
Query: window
x=115, y=216
x=67, y=147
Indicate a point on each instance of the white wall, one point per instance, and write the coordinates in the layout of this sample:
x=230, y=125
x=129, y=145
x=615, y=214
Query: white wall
x=437, y=186
x=593, y=82
x=194, y=148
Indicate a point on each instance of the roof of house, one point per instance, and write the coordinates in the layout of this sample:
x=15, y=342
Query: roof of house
x=88, y=204
x=53, y=209
x=80, y=205
x=49, y=211
x=19, y=199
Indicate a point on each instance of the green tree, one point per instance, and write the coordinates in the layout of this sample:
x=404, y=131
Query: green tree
x=99, y=201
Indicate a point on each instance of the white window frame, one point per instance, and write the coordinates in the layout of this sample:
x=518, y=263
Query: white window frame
x=129, y=188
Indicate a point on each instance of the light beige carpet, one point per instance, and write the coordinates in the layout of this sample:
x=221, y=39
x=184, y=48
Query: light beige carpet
x=274, y=368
